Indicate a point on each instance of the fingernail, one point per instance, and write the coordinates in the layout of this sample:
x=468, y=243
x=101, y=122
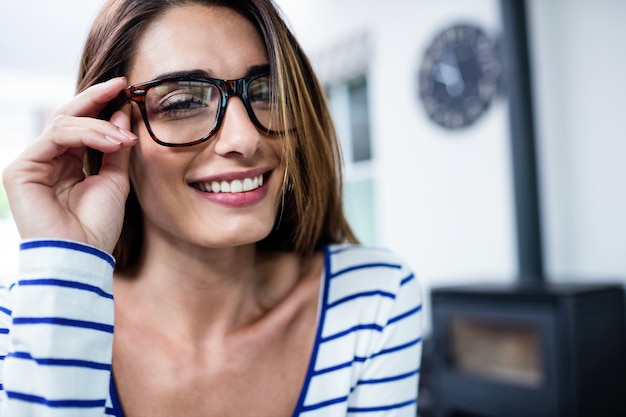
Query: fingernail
x=130, y=135
x=113, y=140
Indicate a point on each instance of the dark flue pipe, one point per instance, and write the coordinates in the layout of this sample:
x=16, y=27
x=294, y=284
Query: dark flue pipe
x=518, y=86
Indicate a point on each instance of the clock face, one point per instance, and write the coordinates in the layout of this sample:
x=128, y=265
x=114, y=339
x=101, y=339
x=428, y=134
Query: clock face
x=459, y=76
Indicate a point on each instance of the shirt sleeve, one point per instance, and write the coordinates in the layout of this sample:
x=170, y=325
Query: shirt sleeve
x=388, y=383
x=56, y=332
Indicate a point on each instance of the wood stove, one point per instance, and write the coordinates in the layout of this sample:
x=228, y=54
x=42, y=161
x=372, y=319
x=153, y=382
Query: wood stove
x=529, y=350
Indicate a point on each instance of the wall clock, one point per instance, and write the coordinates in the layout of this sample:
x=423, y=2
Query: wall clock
x=459, y=76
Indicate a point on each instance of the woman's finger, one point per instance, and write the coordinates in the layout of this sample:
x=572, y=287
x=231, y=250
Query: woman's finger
x=115, y=165
x=121, y=119
x=94, y=99
x=66, y=132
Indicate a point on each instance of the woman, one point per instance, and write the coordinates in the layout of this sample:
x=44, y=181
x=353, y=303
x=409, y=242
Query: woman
x=239, y=288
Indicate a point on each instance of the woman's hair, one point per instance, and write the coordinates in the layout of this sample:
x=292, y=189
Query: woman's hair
x=311, y=212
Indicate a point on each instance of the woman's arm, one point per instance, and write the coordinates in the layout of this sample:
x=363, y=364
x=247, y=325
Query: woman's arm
x=57, y=332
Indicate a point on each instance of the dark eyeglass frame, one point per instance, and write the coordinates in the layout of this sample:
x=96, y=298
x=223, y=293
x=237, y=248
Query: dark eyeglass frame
x=227, y=89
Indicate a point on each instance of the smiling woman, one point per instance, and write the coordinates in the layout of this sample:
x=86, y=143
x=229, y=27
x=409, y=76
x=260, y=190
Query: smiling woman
x=200, y=262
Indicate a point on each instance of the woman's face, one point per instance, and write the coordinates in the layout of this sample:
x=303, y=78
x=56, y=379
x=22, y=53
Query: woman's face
x=182, y=191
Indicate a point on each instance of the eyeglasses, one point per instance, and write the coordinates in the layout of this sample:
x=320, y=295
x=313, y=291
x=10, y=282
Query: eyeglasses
x=185, y=111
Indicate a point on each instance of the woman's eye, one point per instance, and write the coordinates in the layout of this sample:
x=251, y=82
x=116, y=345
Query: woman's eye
x=260, y=90
x=181, y=101
x=262, y=95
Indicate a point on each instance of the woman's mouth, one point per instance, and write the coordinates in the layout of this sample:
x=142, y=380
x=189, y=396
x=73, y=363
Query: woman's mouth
x=235, y=186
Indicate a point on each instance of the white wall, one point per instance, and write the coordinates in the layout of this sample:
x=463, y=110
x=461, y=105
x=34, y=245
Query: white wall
x=580, y=89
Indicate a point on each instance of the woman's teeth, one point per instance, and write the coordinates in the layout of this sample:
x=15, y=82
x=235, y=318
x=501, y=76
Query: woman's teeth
x=235, y=186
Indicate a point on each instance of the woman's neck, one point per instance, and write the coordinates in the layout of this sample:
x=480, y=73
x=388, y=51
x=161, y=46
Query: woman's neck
x=203, y=294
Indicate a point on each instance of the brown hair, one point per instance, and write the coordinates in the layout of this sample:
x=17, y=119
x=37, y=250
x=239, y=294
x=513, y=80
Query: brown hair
x=311, y=214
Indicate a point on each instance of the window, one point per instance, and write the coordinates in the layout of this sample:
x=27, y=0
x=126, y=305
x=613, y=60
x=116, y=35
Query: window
x=350, y=108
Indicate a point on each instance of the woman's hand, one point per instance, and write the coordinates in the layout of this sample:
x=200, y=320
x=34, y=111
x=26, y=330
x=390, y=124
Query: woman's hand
x=49, y=195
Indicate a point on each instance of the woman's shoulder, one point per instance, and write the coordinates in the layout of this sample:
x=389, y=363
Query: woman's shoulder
x=367, y=263
x=370, y=288
x=366, y=255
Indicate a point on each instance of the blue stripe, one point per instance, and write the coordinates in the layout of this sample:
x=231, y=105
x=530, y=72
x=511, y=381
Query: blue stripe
x=5, y=311
x=381, y=408
x=407, y=279
x=405, y=315
x=362, y=359
x=340, y=366
x=4, y=331
x=362, y=294
x=116, y=410
x=388, y=379
x=59, y=321
x=322, y=319
x=79, y=247
x=353, y=329
x=397, y=348
x=56, y=403
x=366, y=266
x=325, y=404
x=62, y=362
x=67, y=284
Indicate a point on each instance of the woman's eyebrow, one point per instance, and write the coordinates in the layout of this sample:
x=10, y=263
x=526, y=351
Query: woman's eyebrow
x=258, y=69
x=196, y=73
x=199, y=73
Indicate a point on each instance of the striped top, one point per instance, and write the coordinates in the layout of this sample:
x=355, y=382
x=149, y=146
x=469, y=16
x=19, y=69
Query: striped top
x=56, y=335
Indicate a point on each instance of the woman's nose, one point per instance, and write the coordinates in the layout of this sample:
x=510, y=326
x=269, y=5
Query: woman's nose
x=237, y=134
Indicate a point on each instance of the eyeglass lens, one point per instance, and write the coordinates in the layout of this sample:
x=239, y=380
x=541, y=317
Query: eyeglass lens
x=181, y=112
